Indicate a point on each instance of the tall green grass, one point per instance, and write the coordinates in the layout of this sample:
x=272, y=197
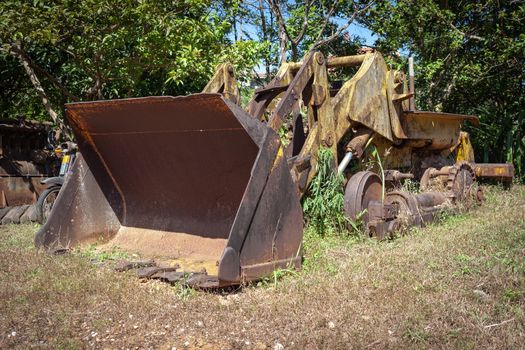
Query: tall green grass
x=323, y=205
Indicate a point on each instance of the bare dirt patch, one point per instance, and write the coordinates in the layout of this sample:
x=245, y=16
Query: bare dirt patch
x=459, y=284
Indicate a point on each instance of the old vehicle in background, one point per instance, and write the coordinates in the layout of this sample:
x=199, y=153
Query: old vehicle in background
x=66, y=152
x=25, y=160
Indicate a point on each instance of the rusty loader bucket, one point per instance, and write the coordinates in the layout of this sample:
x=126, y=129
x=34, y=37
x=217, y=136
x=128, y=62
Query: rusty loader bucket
x=191, y=180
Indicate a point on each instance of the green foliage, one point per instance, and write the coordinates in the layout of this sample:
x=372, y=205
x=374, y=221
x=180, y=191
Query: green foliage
x=244, y=55
x=277, y=276
x=100, y=49
x=260, y=18
x=246, y=95
x=183, y=292
x=323, y=206
x=283, y=135
x=411, y=186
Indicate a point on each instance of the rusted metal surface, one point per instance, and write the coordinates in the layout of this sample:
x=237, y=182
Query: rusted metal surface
x=437, y=116
x=442, y=130
x=402, y=210
x=223, y=82
x=502, y=172
x=406, y=208
x=375, y=98
x=362, y=189
x=191, y=179
x=82, y=211
x=461, y=181
x=464, y=150
x=269, y=244
x=358, y=142
x=160, y=153
x=24, y=163
x=336, y=62
x=458, y=181
x=13, y=216
x=19, y=190
x=397, y=176
x=29, y=215
x=363, y=99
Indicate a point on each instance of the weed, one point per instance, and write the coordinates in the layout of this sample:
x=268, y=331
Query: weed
x=281, y=273
x=418, y=288
x=323, y=207
x=512, y=295
x=449, y=218
x=415, y=335
x=375, y=154
x=34, y=273
x=411, y=186
x=183, y=292
x=246, y=95
x=21, y=299
x=92, y=253
x=283, y=135
x=463, y=258
x=467, y=266
x=277, y=276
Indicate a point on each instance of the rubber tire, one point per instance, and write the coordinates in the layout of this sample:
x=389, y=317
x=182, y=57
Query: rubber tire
x=42, y=199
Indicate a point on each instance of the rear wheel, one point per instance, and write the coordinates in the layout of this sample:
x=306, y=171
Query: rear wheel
x=361, y=189
x=45, y=203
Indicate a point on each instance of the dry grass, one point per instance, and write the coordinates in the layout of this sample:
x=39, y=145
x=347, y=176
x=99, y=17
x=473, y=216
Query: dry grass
x=459, y=284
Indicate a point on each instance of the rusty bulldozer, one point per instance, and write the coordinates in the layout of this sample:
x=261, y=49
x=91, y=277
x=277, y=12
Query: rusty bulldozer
x=211, y=188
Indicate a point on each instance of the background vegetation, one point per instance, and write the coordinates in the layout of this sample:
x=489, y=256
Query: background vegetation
x=470, y=55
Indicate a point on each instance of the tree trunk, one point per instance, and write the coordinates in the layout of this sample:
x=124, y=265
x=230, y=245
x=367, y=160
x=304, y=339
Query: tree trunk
x=17, y=53
x=265, y=37
x=282, y=45
x=295, y=52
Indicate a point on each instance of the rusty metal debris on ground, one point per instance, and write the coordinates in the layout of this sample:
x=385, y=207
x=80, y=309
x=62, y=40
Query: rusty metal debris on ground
x=202, y=182
x=151, y=270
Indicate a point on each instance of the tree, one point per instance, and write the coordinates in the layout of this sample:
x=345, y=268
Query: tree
x=290, y=29
x=100, y=49
x=470, y=58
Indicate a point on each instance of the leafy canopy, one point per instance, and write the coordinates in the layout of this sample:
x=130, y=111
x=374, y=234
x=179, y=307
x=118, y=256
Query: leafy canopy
x=97, y=49
x=470, y=58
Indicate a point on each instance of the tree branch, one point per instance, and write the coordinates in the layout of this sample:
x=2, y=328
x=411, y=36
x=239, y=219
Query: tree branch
x=275, y=7
x=41, y=70
x=15, y=51
x=465, y=35
x=327, y=19
x=319, y=43
x=284, y=36
x=265, y=35
x=300, y=36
